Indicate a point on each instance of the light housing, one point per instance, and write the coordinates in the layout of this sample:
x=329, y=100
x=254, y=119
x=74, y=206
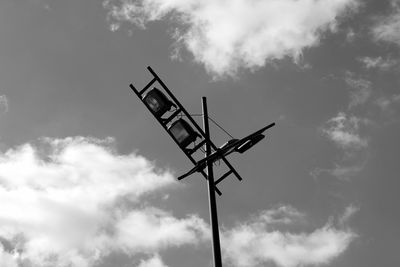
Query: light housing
x=250, y=143
x=183, y=133
x=229, y=147
x=157, y=102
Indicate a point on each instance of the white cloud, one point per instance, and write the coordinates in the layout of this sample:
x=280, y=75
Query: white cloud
x=254, y=243
x=69, y=202
x=282, y=215
x=361, y=89
x=378, y=63
x=341, y=171
x=388, y=28
x=7, y=259
x=3, y=104
x=385, y=103
x=73, y=201
x=226, y=36
x=165, y=230
x=155, y=261
x=348, y=214
x=389, y=107
x=350, y=35
x=343, y=130
x=344, y=172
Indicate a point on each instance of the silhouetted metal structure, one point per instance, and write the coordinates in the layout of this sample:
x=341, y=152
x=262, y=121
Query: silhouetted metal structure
x=169, y=113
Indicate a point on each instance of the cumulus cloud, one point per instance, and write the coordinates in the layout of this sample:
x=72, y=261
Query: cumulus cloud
x=226, y=36
x=387, y=28
x=70, y=202
x=7, y=259
x=155, y=261
x=254, y=243
x=165, y=230
x=3, y=104
x=74, y=201
x=343, y=130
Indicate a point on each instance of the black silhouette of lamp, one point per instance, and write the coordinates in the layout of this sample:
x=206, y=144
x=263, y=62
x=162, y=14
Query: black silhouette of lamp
x=249, y=143
x=158, y=102
x=183, y=133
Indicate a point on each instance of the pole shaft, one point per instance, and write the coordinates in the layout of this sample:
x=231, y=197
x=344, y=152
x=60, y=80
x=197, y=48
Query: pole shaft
x=211, y=191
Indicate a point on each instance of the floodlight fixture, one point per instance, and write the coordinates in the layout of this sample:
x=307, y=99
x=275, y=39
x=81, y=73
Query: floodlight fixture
x=157, y=102
x=183, y=133
x=249, y=143
x=229, y=147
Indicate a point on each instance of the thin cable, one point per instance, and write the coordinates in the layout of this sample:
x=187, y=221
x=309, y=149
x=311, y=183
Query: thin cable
x=219, y=126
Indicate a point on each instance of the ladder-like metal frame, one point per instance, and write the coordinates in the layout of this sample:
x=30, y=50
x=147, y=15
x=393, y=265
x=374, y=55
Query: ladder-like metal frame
x=164, y=122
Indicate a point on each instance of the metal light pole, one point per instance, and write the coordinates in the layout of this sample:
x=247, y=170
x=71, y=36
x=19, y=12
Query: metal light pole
x=211, y=191
x=184, y=133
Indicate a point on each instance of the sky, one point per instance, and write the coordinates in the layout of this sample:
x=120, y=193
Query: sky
x=88, y=177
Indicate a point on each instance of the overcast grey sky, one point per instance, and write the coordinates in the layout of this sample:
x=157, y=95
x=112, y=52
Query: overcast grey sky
x=88, y=177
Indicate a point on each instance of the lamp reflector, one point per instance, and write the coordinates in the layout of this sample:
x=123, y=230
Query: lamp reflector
x=157, y=102
x=183, y=133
